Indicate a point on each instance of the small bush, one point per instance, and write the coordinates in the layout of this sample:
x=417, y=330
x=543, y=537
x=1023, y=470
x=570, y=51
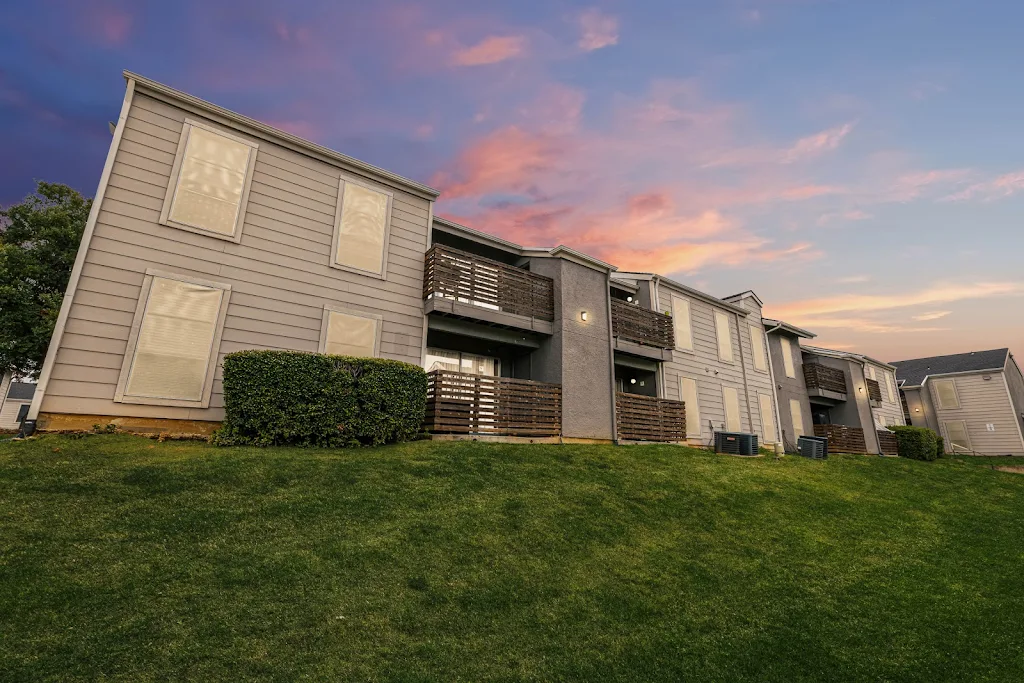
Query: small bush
x=917, y=443
x=940, y=447
x=304, y=399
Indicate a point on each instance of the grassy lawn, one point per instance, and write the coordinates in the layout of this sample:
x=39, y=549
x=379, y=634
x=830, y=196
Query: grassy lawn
x=123, y=559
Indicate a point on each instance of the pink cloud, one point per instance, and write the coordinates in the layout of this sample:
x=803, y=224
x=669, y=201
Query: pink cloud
x=839, y=216
x=490, y=50
x=813, y=145
x=597, y=30
x=804, y=149
x=990, y=190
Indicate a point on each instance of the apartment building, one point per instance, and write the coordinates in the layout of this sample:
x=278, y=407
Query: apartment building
x=974, y=400
x=848, y=397
x=211, y=233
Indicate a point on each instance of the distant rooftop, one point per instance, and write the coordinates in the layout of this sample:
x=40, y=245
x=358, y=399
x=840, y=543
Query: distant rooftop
x=913, y=372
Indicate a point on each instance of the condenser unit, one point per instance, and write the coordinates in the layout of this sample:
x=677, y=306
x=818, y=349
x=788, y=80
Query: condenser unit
x=736, y=443
x=814, y=447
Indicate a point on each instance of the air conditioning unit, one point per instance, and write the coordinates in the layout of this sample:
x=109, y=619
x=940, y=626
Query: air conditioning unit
x=736, y=443
x=814, y=447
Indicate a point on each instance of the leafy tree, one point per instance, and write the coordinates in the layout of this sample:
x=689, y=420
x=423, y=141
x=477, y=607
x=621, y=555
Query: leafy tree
x=38, y=243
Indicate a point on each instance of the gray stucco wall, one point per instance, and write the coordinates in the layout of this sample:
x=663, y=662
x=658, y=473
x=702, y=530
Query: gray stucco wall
x=855, y=411
x=920, y=410
x=788, y=388
x=578, y=355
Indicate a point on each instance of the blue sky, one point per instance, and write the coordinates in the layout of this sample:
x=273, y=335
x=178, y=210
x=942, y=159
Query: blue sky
x=859, y=165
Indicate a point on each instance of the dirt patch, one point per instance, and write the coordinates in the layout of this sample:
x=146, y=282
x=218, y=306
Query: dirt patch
x=1017, y=469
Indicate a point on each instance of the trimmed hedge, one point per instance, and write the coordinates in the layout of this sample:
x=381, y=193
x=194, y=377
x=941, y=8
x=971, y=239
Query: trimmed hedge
x=940, y=447
x=304, y=399
x=918, y=443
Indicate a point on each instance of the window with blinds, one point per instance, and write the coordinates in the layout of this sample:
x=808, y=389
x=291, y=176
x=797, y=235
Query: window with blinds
x=890, y=387
x=956, y=432
x=174, y=349
x=787, y=357
x=363, y=222
x=757, y=348
x=764, y=402
x=210, y=182
x=797, y=414
x=724, y=336
x=350, y=333
x=945, y=394
x=688, y=395
x=731, y=399
x=681, y=322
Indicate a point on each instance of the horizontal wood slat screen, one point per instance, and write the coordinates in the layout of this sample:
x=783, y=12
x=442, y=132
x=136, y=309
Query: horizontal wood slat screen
x=874, y=390
x=887, y=442
x=461, y=403
x=842, y=439
x=468, y=278
x=818, y=376
x=645, y=418
x=630, y=321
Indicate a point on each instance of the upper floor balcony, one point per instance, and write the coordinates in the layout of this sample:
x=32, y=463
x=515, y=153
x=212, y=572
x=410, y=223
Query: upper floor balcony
x=642, y=332
x=459, y=283
x=825, y=382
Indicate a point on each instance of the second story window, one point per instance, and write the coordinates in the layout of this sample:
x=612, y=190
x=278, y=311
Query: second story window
x=757, y=345
x=209, y=182
x=724, y=336
x=681, y=323
x=945, y=394
x=362, y=227
x=787, y=357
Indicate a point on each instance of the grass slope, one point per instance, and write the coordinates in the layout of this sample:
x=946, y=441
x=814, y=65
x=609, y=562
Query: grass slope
x=126, y=560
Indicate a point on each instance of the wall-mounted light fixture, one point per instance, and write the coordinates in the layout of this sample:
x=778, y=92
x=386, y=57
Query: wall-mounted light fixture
x=629, y=299
x=917, y=410
x=860, y=389
x=632, y=381
x=583, y=316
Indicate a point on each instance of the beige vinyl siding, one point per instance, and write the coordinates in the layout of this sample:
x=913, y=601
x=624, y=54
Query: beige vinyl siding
x=279, y=272
x=890, y=412
x=710, y=374
x=982, y=402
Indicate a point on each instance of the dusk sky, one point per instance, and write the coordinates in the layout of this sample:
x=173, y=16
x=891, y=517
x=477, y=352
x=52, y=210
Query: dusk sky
x=859, y=164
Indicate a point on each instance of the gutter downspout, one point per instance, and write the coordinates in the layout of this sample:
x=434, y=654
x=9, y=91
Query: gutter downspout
x=611, y=353
x=743, y=367
x=775, y=395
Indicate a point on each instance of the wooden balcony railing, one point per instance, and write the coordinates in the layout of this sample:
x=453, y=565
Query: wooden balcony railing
x=887, y=442
x=842, y=439
x=630, y=321
x=818, y=376
x=467, y=278
x=645, y=418
x=874, y=390
x=460, y=403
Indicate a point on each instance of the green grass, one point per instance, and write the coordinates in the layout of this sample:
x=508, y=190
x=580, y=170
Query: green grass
x=123, y=559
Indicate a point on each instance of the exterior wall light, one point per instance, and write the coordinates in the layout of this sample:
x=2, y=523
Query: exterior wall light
x=632, y=381
x=583, y=316
x=629, y=299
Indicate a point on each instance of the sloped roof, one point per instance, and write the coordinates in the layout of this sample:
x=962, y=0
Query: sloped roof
x=913, y=372
x=21, y=391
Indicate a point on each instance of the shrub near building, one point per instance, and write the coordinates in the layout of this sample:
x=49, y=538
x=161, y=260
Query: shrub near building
x=918, y=443
x=286, y=397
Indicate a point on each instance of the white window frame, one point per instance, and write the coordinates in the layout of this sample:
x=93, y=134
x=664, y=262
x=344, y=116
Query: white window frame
x=172, y=185
x=938, y=395
x=693, y=428
x=787, y=357
x=336, y=239
x=755, y=356
x=722, y=315
x=767, y=419
x=133, y=341
x=725, y=408
x=689, y=316
x=326, y=321
x=798, y=426
x=949, y=440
